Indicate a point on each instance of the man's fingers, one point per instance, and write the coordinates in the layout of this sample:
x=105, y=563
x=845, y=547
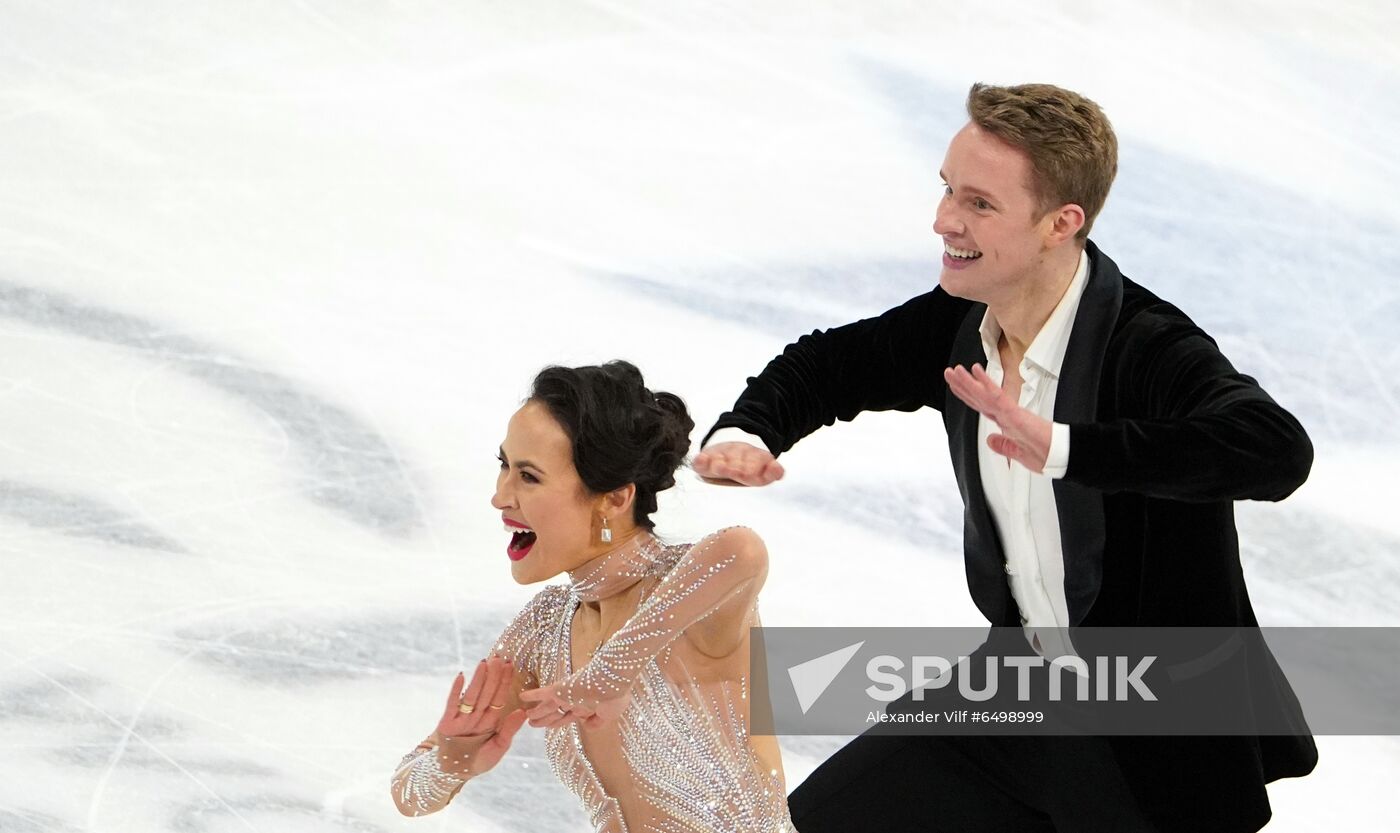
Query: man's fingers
x=745, y=471
x=979, y=373
x=751, y=468
x=707, y=463
x=1007, y=447
x=981, y=385
x=978, y=392
x=714, y=467
x=962, y=386
x=980, y=376
x=996, y=397
x=738, y=462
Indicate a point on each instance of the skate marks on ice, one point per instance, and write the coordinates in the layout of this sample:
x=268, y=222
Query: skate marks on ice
x=344, y=465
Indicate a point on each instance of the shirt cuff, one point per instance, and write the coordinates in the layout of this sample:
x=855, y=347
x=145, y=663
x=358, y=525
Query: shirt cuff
x=1057, y=462
x=739, y=435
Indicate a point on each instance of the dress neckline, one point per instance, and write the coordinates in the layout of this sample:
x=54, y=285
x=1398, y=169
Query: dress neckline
x=615, y=571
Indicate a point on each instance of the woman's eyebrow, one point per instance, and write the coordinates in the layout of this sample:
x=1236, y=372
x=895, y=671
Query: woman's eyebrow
x=520, y=464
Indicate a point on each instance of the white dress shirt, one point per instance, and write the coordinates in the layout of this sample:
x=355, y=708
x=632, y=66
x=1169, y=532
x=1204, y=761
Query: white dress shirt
x=1022, y=503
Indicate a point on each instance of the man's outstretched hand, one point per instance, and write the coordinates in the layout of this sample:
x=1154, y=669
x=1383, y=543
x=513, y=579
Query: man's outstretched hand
x=737, y=464
x=1024, y=436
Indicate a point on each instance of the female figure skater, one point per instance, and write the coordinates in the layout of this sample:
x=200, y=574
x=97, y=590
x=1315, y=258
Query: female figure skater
x=637, y=668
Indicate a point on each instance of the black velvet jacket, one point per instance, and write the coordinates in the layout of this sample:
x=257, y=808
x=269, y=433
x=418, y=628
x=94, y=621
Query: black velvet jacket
x=1164, y=435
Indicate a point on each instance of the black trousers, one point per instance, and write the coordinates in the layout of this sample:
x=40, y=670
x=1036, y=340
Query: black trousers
x=968, y=784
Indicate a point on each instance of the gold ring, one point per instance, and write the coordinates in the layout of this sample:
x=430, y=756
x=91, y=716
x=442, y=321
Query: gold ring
x=494, y=706
x=466, y=708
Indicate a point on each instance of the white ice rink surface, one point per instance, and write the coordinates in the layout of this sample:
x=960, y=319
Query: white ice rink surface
x=273, y=275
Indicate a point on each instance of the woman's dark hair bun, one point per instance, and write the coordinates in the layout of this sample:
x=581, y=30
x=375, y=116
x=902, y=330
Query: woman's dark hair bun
x=620, y=431
x=675, y=439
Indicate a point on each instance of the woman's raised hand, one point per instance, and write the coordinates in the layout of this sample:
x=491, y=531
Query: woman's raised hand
x=475, y=728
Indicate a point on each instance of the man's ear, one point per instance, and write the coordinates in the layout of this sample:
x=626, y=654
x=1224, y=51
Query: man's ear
x=1065, y=223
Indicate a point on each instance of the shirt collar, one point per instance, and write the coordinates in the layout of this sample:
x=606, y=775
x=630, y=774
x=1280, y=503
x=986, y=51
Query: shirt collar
x=1047, y=349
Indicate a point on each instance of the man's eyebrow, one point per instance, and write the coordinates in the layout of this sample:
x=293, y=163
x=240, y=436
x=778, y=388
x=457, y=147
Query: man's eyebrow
x=972, y=188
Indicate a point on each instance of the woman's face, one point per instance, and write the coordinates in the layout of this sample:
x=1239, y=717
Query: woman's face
x=546, y=508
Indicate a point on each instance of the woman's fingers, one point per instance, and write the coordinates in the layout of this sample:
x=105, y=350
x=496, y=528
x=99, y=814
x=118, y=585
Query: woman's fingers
x=470, y=713
x=450, y=724
x=454, y=696
x=505, y=675
x=482, y=718
x=551, y=720
x=477, y=684
x=510, y=724
x=534, y=696
x=500, y=675
x=545, y=711
x=494, y=748
x=538, y=709
x=548, y=716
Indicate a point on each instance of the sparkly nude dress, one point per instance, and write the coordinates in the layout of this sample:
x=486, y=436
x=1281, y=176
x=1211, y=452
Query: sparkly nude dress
x=680, y=759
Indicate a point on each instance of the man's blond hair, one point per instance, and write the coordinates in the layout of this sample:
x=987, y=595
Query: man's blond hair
x=1072, y=149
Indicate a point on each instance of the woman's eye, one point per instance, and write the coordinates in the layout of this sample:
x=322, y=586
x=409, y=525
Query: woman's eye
x=501, y=460
x=947, y=190
x=981, y=204
x=528, y=478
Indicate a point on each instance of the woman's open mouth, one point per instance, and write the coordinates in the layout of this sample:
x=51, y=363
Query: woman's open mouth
x=522, y=539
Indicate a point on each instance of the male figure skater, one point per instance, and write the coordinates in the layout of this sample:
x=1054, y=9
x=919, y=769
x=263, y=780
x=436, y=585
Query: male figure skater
x=1099, y=439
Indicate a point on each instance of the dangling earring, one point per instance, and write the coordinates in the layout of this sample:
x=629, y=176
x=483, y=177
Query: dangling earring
x=606, y=534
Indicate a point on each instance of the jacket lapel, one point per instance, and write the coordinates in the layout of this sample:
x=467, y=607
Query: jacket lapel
x=982, y=553
x=1079, y=508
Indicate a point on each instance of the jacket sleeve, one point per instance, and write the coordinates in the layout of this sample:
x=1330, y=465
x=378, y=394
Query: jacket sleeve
x=1201, y=430
x=894, y=361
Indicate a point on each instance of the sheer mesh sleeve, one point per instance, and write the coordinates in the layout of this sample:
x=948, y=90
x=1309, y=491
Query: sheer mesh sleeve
x=716, y=569
x=420, y=786
x=523, y=642
x=428, y=778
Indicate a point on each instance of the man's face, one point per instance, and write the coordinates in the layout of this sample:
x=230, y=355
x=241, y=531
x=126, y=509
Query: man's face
x=993, y=231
